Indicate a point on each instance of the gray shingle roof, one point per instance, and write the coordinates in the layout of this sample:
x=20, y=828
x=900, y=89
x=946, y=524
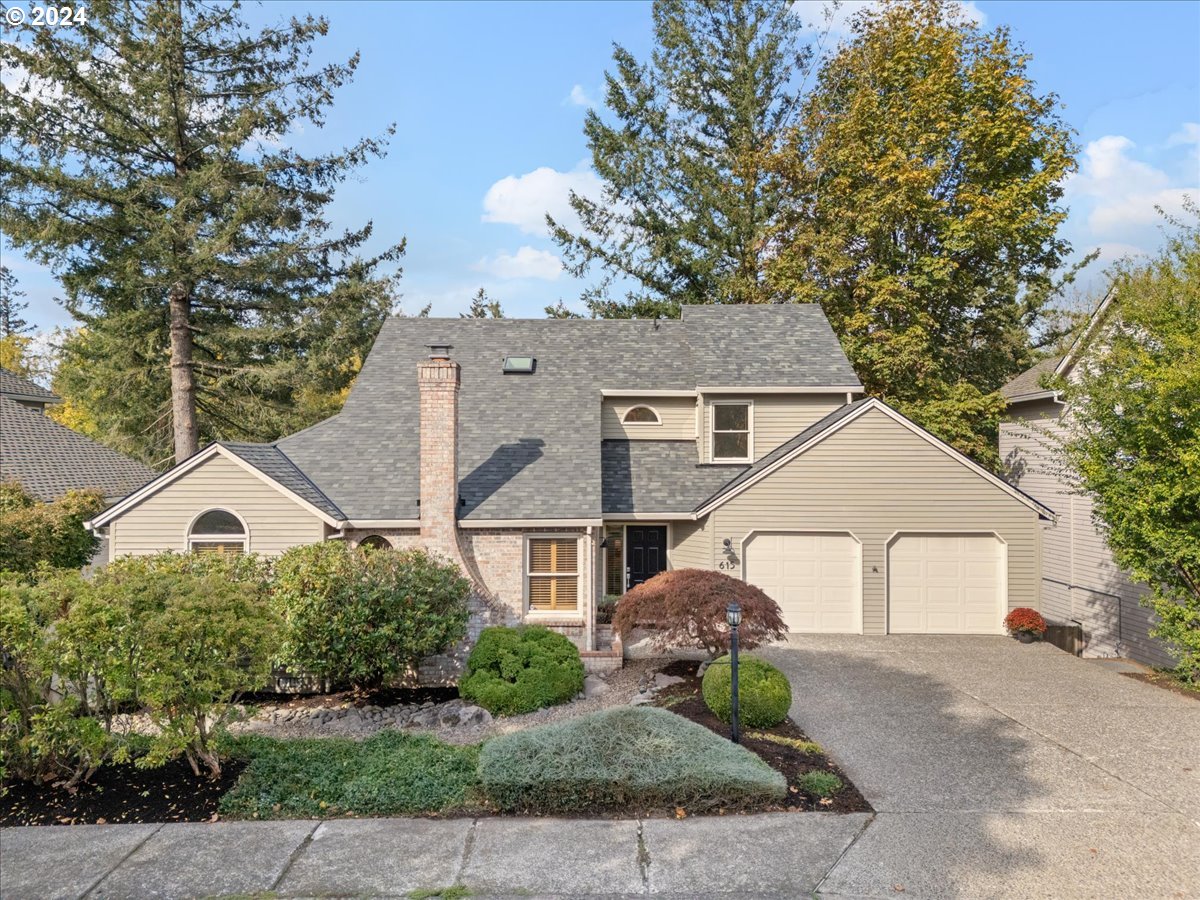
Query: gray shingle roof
x=658, y=476
x=49, y=459
x=784, y=449
x=529, y=445
x=274, y=463
x=763, y=346
x=1029, y=381
x=14, y=387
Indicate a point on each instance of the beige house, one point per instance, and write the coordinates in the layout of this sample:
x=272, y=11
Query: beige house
x=561, y=460
x=1081, y=584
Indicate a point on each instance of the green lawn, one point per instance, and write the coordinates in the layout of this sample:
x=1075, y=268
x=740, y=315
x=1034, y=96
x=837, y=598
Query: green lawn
x=391, y=773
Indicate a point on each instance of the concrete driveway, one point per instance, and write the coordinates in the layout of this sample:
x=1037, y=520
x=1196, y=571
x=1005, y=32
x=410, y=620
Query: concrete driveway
x=1001, y=769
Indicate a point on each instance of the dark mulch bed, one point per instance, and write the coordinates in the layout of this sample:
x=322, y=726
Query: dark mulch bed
x=121, y=793
x=1166, y=681
x=380, y=697
x=685, y=699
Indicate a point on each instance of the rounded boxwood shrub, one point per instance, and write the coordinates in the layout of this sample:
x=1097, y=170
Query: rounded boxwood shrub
x=764, y=695
x=518, y=670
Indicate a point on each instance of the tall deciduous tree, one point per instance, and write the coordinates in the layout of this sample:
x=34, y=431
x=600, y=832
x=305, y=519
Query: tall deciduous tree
x=1135, y=435
x=147, y=161
x=925, y=178
x=688, y=197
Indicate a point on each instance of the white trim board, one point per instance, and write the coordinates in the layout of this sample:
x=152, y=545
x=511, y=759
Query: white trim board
x=875, y=403
x=192, y=462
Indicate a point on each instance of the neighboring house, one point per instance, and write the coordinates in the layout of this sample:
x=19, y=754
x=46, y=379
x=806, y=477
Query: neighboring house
x=1081, y=583
x=48, y=459
x=561, y=460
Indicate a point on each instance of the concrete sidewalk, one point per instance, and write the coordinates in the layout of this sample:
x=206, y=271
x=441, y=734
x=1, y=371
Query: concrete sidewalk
x=778, y=855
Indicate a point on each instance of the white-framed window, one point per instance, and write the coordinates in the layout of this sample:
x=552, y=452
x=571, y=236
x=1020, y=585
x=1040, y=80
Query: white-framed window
x=732, y=431
x=218, y=531
x=641, y=415
x=552, y=573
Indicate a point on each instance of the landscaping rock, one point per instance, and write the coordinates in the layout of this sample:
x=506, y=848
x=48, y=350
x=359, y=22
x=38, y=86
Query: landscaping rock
x=662, y=680
x=594, y=686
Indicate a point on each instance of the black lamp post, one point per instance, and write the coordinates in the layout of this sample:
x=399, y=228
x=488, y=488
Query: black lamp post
x=733, y=615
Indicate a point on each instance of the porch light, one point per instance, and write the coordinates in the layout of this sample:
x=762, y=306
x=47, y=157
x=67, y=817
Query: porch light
x=733, y=614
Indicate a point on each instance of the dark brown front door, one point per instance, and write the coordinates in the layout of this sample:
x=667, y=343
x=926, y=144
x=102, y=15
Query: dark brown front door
x=645, y=553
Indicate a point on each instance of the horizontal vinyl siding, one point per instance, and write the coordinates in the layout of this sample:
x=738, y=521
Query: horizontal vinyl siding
x=691, y=545
x=678, y=416
x=780, y=417
x=160, y=522
x=874, y=478
x=776, y=417
x=1082, y=583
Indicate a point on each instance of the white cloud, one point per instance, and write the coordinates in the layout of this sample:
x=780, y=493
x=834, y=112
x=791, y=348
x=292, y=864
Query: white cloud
x=819, y=16
x=1121, y=193
x=524, y=200
x=579, y=97
x=527, y=262
x=1189, y=133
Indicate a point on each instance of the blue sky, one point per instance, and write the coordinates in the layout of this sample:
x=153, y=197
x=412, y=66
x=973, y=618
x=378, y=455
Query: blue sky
x=489, y=100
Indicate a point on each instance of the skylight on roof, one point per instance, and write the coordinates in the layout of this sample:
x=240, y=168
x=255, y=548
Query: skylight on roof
x=519, y=365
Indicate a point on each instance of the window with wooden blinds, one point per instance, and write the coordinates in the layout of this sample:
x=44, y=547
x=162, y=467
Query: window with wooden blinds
x=553, y=574
x=220, y=549
x=217, y=531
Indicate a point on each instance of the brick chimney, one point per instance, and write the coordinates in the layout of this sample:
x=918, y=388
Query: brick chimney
x=438, y=383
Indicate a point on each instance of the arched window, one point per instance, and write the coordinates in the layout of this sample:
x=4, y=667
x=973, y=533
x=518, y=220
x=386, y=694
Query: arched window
x=641, y=415
x=217, y=531
x=374, y=542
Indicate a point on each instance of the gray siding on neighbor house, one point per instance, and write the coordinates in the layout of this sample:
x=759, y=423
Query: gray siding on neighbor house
x=677, y=414
x=875, y=478
x=1081, y=582
x=776, y=417
x=161, y=521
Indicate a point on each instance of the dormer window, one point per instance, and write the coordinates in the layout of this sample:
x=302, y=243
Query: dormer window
x=519, y=365
x=641, y=415
x=731, y=425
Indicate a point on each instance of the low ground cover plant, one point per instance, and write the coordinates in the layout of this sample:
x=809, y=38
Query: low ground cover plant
x=366, y=618
x=626, y=758
x=686, y=608
x=764, y=695
x=391, y=773
x=820, y=784
x=518, y=670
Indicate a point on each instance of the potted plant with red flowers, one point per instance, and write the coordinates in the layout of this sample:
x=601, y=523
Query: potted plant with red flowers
x=1025, y=624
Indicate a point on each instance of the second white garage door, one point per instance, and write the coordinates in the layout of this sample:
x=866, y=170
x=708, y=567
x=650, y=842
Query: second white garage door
x=946, y=584
x=815, y=578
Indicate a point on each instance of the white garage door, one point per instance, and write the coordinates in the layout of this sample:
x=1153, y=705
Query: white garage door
x=946, y=584
x=815, y=578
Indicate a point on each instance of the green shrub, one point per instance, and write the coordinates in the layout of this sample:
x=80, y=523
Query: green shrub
x=34, y=534
x=62, y=679
x=390, y=773
x=764, y=695
x=195, y=637
x=364, y=618
x=623, y=759
x=820, y=784
x=518, y=670
x=175, y=639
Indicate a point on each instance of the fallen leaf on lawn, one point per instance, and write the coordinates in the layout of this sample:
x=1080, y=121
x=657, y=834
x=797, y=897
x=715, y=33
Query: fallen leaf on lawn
x=215, y=817
x=680, y=813
x=898, y=888
x=826, y=802
x=102, y=821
